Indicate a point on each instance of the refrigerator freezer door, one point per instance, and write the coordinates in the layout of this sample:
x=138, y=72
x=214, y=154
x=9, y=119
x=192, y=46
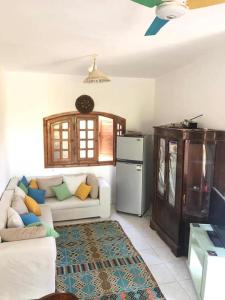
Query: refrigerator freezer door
x=129, y=188
x=130, y=148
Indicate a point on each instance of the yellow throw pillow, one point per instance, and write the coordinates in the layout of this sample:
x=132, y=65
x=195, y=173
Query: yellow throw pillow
x=83, y=191
x=32, y=206
x=33, y=184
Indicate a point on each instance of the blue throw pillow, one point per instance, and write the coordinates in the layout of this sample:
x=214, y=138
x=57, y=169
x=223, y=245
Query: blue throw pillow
x=38, y=195
x=29, y=219
x=24, y=181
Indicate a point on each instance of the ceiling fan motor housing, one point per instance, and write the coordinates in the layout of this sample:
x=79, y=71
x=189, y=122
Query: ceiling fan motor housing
x=173, y=9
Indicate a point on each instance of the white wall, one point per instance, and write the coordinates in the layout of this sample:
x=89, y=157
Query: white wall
x=194, y=89
x=4, y=168
x=32, y=96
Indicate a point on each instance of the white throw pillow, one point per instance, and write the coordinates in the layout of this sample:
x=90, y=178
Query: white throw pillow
x=19, y=192
x=19, y=205
x=73, y=182
x=13, y=219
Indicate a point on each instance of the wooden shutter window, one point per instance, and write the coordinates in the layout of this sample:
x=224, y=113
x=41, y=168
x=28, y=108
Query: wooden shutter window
x=120, y=127
x=106, y=139
x=74, y=139
x=87, y=149
x=59, y=142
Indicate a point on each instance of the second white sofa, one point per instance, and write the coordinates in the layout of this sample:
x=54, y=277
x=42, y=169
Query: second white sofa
x=27, y=267
x=74, y=208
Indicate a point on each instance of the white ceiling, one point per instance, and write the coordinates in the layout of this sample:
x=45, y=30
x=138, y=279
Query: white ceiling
x=51, y=35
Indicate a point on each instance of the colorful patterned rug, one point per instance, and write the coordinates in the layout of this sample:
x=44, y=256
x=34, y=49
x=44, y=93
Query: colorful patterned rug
x=98, y=261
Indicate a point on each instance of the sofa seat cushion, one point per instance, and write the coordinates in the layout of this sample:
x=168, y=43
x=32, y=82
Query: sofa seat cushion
x=46, y=214
x=71, y=203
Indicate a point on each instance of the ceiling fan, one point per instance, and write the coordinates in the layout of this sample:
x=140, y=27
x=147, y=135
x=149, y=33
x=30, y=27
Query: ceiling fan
x=167, y=10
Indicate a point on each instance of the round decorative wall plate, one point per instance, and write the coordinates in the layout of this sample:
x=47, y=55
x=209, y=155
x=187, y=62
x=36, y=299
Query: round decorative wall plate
x=84, y=104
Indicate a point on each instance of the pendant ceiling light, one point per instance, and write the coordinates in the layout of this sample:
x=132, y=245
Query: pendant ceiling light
x=95, y=75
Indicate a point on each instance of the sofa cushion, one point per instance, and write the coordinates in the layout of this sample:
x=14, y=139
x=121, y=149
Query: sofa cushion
x=72, y=202
x=19, y=192
x=23, y=187
x=92, y=180
x=19, y=205
x=13, y=219
x=46, y=214
x=29, y=218
x=37, y=195
x=33, y=184
x=83, y=191
x=49, y=230
x=24, y=181
x=5, y=203
x=62, y=192
x=18, y=234
x=47, y=182
x=32, y=206
x=73, y=181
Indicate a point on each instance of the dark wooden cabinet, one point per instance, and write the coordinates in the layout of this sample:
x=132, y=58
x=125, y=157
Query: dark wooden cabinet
x=184, y=161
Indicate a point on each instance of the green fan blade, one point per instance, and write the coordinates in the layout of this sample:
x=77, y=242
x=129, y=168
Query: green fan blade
x=149, y=3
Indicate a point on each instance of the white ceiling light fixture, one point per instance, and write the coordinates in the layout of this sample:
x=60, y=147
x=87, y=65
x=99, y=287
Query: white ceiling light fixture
x=95, y=75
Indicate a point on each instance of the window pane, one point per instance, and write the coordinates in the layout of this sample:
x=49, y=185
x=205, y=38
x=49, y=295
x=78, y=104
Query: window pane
x=90, y=124
x=65, y=135
x=56, y=155
x=65, y=145
x=56, y=126
x=83, y=144
x=82, y=154
x=90, y=153
x=82, y=135
x=82, y=124
x=56, y=145
x=65, y=125
x=118, y=126
x=90, y=134
x=65, y=154
x=91, y=144
x=56, y=134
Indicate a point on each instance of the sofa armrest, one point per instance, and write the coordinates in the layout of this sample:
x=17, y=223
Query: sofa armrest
x=27, y=268
x=104, y=197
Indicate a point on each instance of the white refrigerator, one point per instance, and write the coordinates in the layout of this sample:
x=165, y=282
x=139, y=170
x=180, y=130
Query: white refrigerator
x=134, y=174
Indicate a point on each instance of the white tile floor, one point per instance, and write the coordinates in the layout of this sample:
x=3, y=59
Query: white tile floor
x=170, y=272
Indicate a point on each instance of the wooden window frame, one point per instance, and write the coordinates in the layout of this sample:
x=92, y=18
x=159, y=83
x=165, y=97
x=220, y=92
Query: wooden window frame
x=72, y=118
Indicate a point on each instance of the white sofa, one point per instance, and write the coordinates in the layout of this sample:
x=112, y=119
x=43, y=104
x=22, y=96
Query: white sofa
x=74, y=208
x=27, y=268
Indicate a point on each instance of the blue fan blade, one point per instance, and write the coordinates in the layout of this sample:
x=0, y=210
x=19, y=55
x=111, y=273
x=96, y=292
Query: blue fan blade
x=149, y=3
x=156, y=25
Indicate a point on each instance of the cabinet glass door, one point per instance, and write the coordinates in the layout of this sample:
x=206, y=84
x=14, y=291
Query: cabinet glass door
x=198, y=172
x=172, y=172
x=161, y=166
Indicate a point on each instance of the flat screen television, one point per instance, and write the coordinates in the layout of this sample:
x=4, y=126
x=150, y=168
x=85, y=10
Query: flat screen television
x=217, y=208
